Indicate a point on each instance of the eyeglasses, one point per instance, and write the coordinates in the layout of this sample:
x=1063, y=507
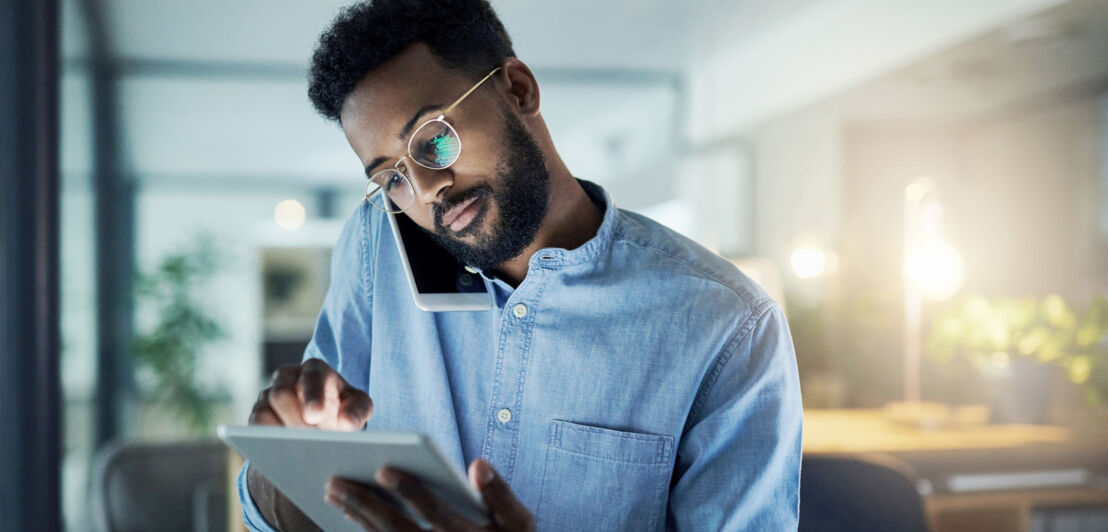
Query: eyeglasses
x=434, y=145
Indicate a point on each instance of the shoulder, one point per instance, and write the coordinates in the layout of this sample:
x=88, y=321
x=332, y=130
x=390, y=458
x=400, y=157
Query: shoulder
x=355, y=249
x=741, y=330
x=663, y=251
x=361, y=231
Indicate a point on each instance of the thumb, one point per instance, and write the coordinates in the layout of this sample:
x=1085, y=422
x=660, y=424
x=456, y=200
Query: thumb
x=505, y=509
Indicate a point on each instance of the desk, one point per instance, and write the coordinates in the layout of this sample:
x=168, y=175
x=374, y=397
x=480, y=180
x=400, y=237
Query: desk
x=974, y=476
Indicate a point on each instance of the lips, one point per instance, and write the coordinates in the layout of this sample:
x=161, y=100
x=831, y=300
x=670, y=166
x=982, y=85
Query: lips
x=467, y=217
x=449, y=216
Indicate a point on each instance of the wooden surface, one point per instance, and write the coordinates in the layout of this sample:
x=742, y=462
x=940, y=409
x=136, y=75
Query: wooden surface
x=878, y=430
x=931, y=443
x=1002, y=511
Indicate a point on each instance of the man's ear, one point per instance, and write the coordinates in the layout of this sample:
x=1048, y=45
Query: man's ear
x=522, y=86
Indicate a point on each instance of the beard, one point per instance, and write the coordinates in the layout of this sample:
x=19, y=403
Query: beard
x=521, y=192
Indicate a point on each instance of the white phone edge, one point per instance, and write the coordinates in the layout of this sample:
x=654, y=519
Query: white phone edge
x=469, y=301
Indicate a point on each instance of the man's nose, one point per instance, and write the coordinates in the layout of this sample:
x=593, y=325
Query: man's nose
x=428, y=183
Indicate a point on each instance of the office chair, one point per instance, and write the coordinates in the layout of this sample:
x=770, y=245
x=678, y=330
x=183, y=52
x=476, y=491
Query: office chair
x=161, y=486
x=859, y=494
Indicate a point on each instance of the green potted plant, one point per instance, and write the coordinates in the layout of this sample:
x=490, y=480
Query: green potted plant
x=167, y=351
x=1016, y=342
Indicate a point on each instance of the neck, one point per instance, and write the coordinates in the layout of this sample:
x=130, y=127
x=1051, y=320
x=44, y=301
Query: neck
x=571, y=220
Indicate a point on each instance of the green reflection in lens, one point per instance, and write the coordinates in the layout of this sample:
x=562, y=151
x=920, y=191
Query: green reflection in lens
x=445, y=148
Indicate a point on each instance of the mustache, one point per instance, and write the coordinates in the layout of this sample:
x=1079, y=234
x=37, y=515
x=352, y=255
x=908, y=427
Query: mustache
x=442, y=207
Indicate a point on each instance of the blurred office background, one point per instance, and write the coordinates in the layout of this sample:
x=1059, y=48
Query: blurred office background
x=923, y=185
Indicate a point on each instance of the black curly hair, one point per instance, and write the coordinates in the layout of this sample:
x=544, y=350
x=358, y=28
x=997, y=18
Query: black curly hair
x=465, y=34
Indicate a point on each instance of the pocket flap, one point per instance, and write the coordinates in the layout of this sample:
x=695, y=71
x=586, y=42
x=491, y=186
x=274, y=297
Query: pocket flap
x=610, y=444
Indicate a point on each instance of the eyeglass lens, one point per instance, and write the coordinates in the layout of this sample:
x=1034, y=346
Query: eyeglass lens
x=395, y=186
x=435, y=145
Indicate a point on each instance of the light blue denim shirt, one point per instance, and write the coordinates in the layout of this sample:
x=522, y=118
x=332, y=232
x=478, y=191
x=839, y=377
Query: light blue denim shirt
x=638, y=382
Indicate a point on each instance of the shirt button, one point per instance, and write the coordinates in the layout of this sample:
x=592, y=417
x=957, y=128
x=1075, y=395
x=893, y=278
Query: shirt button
x=504, y=415
x=466, y=279
x=520, y=310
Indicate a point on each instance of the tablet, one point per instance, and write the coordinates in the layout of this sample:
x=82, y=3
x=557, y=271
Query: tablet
x=300, y=461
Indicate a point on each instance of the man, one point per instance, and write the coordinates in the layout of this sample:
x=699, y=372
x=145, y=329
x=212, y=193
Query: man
x=626, y=379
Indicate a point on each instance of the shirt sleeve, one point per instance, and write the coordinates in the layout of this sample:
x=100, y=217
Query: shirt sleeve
x=738, y=465
x=251, y=516
x=342, y=332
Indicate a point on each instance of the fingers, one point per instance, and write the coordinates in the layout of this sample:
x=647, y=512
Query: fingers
x=312, y=395
x=283, y=397
x=356, y=408
x=507, y=512
x=362, y=506
x=262, y=414
x=433, y=509
x=328, y=401
x=319, y=392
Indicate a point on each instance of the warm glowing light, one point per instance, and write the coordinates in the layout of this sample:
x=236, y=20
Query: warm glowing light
x=937, y=270
x=808, y=263
x=916, y=191
x=1000, y=359
x=290, y=215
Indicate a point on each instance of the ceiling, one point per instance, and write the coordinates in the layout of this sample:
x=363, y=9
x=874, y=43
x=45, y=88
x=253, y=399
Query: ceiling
x=213, y=92
x=656, y=35
x=1058, y=53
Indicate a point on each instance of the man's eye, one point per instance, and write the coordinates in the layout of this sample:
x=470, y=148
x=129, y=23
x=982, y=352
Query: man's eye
x=389, y=180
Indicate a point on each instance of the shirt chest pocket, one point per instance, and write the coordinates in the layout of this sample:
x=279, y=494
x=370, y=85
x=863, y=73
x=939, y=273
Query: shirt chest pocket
x=603, y=479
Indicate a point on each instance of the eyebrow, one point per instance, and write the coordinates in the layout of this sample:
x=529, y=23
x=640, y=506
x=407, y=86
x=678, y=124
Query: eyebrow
x=404, y=131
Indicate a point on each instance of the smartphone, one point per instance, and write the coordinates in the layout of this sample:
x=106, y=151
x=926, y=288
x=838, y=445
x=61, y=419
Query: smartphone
x=438, y=281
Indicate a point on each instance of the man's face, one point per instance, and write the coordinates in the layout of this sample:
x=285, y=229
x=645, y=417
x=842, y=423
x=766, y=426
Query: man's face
x=487, y=206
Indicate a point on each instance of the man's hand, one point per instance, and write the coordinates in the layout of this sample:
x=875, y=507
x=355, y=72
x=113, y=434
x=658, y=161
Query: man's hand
x=311, y=395
x=372, y=512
